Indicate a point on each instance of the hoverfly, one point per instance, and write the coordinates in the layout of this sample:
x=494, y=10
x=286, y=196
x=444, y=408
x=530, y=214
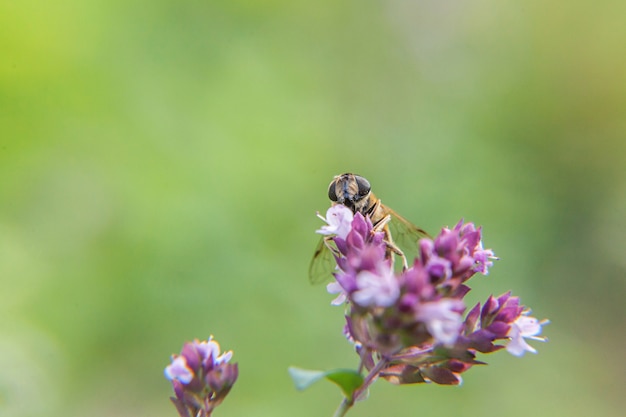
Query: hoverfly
x=354, y=192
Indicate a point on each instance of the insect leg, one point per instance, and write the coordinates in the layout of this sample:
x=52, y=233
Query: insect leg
x=392, y=246
x=382, y=226
x=332, y=248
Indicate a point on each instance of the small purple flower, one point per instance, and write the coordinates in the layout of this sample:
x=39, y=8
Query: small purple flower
x=178, y=370
x=364, y=272
x=439, y=268
x=336, y=288
x=210, y=353
x=201, y=377
x=473, y=240
x=338, y=221
x=483, y=259
x=454, y=256
x=442, y=318
x=376, y=289
x=522, y=328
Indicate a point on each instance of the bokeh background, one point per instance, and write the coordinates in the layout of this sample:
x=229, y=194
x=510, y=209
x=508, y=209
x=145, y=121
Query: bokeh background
x=161, y=163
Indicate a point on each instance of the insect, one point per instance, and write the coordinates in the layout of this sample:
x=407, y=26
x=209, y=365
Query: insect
x=354, y=192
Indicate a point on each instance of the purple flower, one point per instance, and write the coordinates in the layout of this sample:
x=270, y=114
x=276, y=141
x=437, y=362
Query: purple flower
x=336, y=288
x=210, y=353
x=439, y=268
x=414, y=320
x=502, y=318
x=178, y=370
x=376, y=289
x=201, y=377
x=456, y=254
x=483, y=258
x=442, y=318
x=524, y=327
x=338, y=221
x=364, y=273
x=473, y=240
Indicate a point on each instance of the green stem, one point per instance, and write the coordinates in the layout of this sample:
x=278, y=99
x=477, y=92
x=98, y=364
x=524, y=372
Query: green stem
x=343, y=408
x=347, y=403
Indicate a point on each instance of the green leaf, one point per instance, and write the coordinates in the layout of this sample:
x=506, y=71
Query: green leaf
x=303, y=378
x=347, y=379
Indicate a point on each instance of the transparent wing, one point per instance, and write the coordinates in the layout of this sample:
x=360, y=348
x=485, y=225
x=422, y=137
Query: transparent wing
x=405, y=235
x=322, y=265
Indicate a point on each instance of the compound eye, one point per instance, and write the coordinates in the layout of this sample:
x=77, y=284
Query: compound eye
x=364, y=185
x=331, y=191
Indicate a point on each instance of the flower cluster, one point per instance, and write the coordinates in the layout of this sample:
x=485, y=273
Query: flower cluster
x=413, y=322
x=201, y=377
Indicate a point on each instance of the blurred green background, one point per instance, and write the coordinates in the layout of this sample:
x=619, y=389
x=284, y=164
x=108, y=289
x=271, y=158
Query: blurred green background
x=161, y=163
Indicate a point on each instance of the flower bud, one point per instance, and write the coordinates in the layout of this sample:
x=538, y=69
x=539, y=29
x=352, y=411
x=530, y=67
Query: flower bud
x=201, y=377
